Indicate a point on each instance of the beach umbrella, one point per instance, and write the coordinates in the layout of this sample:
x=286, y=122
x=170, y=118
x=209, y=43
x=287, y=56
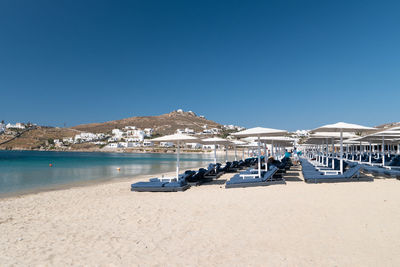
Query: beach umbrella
x=342, y=127
x=259, y=132
x=176, y=139
x=388, y=135
x=216, y=141
x=318, y=137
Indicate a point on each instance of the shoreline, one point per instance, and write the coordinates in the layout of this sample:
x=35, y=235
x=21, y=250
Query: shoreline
x=82, y=184
x=219, y=152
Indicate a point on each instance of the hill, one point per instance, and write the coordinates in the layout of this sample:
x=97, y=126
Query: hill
x=35, y=138
x=388, y=125
x=162, y=124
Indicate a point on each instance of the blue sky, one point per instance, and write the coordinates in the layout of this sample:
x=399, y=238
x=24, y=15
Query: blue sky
x=279, y=64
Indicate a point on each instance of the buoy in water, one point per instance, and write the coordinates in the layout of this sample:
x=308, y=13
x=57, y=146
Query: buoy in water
x=50, y=165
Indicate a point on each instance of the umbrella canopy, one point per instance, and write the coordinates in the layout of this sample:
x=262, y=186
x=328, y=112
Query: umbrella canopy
x=343, y=127
x=259, y=132
x=329, y=135
x=238, y=143
x=386, y=136
x=215, y=141
x=176, y=138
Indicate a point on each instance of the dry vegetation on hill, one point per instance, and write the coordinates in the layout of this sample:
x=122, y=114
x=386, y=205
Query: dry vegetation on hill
x=35, y=138
x=162, y=124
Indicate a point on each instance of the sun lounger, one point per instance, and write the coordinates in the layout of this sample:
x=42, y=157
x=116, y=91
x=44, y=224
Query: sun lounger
x=250, y=179
x=214, y=171
x=163, y=184
x=350, y=175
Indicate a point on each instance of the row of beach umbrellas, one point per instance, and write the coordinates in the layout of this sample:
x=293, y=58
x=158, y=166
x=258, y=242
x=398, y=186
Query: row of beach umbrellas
x=257, y=132
x=341, y=132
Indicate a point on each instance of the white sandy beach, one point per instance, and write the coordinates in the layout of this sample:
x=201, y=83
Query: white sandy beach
x=298, y=224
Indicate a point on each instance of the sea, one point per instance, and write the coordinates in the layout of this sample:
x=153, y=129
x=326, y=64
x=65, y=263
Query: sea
x=26, y=171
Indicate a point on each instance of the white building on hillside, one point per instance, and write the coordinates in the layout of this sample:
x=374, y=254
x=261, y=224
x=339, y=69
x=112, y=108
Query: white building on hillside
x=117, y=133
x=112, y=145
x=166, y=144
x=185, y=131
x=2, y=127
x=18, y=125
x=194, y=145
x=148, y=143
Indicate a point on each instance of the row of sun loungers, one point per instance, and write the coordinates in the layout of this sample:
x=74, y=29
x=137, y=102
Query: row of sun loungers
x=391, y=169
x=192, y=178
x=245, y=178
x=312, y=174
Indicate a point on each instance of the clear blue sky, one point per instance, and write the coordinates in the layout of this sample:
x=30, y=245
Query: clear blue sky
x=280, y=64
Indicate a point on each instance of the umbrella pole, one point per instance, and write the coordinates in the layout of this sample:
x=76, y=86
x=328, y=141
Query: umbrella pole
x=272, y=148
x=360, y=152
x=333, y=154
x=235, y=154
x=226, y=153
x=215, y=153
x=383, y=150
x=265, y=157
x=326, y=152
x=259, y=158
x=341, y=151
x=370, y=153
x=177, y=162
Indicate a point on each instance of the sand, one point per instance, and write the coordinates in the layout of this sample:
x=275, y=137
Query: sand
x=298, y=224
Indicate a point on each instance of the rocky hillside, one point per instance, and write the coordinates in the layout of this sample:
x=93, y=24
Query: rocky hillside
x=162, y=124
x=35, y=138
x=388, y=125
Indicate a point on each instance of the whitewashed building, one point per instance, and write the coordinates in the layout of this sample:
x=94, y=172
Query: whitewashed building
x=166, y=144
x=2, y=127
x=194, y=145
x=148, y=143
x=18, y=125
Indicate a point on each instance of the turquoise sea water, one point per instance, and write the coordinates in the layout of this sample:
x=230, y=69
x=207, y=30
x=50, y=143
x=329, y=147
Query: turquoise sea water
x=29, y=170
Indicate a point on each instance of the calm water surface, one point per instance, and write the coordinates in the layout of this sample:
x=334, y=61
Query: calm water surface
x=28, y=170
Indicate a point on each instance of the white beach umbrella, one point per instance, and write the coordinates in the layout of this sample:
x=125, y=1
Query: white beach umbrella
x=260, y=132
x=177, y=139
x=319, y=137
x=343, y=127
x=387, y=135
x=215, y=141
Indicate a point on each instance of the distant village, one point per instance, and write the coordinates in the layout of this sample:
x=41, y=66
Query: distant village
x=133, y=137
x=117, y=139
x=128, y=137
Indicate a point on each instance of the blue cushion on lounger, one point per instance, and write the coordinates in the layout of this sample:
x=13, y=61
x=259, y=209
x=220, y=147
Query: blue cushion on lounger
x=147, y=184
x=176, y=184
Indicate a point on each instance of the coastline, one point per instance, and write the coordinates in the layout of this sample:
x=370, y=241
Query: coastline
x=87, y=183
x=170, y=151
